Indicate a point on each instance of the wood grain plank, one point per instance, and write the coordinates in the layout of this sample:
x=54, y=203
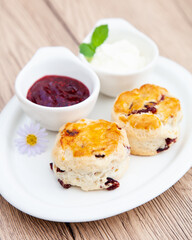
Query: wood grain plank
x=166, y=22
x=160, y=218
x=28, y=25
x=25, y=28
x=16, y=225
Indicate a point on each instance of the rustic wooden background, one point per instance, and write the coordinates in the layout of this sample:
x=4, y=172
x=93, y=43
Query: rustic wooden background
x=27, y=25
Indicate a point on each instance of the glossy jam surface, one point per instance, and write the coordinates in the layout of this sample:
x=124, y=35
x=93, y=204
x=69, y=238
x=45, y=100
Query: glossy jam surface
x=57, y=91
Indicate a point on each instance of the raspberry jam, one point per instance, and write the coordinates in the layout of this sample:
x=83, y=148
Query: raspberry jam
x=57, y=91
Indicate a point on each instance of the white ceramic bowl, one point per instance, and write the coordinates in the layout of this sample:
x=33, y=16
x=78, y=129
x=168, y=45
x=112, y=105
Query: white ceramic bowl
x=114, y=83
x=56, y=61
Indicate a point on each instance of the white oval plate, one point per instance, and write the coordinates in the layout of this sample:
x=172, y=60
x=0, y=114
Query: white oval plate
x=29, y=184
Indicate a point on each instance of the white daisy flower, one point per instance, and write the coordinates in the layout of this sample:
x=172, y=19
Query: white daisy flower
x=31, y=139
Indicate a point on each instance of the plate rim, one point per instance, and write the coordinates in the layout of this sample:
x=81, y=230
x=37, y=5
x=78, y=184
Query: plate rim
x=122, y=208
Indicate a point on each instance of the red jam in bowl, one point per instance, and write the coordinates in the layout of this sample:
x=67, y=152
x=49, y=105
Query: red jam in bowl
x=57, y=91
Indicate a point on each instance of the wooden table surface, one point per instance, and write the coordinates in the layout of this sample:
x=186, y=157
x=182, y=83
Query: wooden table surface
x=27, y=25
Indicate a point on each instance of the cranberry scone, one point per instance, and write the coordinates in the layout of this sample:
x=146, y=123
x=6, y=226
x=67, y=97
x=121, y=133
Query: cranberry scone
x=150, y=116
x=91, y=154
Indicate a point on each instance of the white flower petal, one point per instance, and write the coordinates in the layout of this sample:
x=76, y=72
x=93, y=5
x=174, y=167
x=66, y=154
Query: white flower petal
x=40, y=147
x=20, y=141
x=29, y=151
x=19, y=146
x=38, y=150
x=21, y=133
x=42, y=130
x=26, y=130
x=31, y=128
x=41, y=134
x=23, y=130
x=23, y=149
x=41, y=140
x=34, y=129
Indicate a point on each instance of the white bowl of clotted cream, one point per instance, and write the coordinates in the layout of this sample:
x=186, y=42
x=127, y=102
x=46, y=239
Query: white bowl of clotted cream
x=125, y=59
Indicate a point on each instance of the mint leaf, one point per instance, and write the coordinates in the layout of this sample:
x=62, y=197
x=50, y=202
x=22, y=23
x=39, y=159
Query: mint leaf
x=99, y=35
x=87, y=49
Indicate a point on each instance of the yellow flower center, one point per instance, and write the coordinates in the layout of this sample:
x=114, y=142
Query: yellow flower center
x=31, y=139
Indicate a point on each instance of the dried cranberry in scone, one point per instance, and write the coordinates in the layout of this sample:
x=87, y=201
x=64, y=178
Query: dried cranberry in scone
x=150, y=115
x=87, y=152
x=113, y=184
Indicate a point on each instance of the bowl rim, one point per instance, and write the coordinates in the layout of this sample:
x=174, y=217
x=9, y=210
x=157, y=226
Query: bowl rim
x=93, y=94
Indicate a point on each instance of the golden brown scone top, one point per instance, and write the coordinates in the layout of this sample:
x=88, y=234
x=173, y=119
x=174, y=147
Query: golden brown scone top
x=90, y=138
x=152, y=101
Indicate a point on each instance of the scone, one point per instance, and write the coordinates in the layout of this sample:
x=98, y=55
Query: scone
x=150, y=116
x=91, y=154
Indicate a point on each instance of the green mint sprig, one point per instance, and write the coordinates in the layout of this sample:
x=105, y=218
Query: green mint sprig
x=98, y=37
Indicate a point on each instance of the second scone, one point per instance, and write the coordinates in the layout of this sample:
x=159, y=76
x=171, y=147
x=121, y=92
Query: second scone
x=91, y=154
x=150, y=116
